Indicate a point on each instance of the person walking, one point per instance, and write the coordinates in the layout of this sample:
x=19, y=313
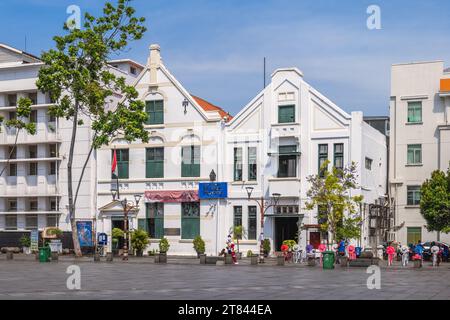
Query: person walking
x=419, y=249
x=351, y=253
x=445, y=253
x=435, y=254
x=322, y=249
x=404, y=250
x=390, y=251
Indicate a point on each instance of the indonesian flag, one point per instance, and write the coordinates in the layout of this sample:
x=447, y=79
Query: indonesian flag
x=114, y=164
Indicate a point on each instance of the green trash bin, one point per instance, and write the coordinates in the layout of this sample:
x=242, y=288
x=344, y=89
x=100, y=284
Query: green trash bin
x=328, y=260
x=44, y=254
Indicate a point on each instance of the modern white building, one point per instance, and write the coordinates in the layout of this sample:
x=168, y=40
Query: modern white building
x=33, y=186
x=420, y=140
x=279, y=139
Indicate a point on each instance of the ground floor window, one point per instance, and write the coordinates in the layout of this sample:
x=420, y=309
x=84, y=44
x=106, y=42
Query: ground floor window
x=153, y=223
x=252, y=223
x=11, y=222
x=190, y=220
x=414, y=235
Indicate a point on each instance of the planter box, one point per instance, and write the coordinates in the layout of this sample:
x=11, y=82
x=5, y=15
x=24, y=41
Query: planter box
x=109, y=257
x=343, y=261
x=311, y=261
x=211, y=260
x=96, y=257
x=161, y=258
x=280, y=260
x=254, y=260
x=228, y=259
x=55, y=256
x=202, y=258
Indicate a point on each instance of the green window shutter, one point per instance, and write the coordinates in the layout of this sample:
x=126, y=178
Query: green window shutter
x=155, y=163
x=142, y=225
x=159, y=227
x=155, y=112
x=286, y=114
x=190, y=220
x=190, y=163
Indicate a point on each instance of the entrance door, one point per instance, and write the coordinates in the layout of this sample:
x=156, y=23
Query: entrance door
x=314, y=239
x=285, y=229
x=414, y=235
x=117, y=223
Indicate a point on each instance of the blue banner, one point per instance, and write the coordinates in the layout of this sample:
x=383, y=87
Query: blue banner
x=213, y=190
x=102, y=239
x=84, y=231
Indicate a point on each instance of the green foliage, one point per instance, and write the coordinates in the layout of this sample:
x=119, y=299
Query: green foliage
x=25, y=241
x=139, y=240
x=435, y=201
x=117, y=233
x=339, y=210
x=55, y=232
x=77, y=77
x=249, y=253
x=23, y=111
x=199, y=245
x=164, y=245
x=290, y=243
x=266, y=245
x=238, y=233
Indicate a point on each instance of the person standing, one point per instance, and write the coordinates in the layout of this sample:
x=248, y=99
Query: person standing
x=405, y=255
x=390, y=250
x=435, y=254
x=322, y=249
x=419, y=249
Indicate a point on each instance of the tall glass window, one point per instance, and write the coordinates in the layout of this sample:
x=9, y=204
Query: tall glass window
x=252, y=165
x=339, y=156
x=252, y=222
x=154, y=163
x=414, y=154
x=415, y=112
x=190, y=220
x=323, y=157
x=190, y=165
x=237, y=164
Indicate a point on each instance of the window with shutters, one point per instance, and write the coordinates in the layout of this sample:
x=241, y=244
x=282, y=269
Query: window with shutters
x=190, y=163
x=252, y=223
x=122, y=163
x=287, y=162
x=154, y=165
x=153, y=223
x=323, y=157
x=252, y=165
x=190, y=220
x=286, y=114
x=237, y=164
x=339, y=156
x=155, y=112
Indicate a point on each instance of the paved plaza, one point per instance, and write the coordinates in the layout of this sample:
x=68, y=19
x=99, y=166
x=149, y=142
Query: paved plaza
x=186, y=279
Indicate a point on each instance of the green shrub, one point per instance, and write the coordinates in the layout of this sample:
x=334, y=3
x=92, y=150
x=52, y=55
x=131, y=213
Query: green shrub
x=199, y=245
x=25, y=241
x=290, y=243
x=139, y=240
x=117, y=233
x=266, y=246
x=164, y=245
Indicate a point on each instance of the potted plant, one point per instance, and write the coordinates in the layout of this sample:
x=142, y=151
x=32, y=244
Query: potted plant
x=55, y=243
x=117, y=234
x=238, y=233
x=139, y=241
x=163, y=249
x=25, y=242
x=266, y=247
x=199, y=246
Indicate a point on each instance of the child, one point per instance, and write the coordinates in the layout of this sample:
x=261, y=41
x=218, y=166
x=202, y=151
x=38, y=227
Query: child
x=351, y=253
x=322, y=249
x=233, y=254
x=390, y=250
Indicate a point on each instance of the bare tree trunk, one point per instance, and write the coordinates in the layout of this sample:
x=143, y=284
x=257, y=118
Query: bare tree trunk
x=76, y=243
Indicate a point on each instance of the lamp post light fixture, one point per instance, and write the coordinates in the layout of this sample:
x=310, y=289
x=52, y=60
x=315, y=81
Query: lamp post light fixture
x=185, y=104
x=264, y=205
x=127, y=206
x=212, y=176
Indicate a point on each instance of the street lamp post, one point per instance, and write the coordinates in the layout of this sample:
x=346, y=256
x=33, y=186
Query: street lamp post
x=264, y=205
x=127, y=207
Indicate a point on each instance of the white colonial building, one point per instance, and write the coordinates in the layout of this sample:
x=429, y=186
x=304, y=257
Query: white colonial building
x=420, y=141
x=279, y=139
x=185, y=132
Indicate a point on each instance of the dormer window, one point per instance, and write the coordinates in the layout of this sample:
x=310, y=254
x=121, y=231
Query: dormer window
x=286, y=114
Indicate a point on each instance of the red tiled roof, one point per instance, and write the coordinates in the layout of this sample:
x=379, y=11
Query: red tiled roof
x=207, y=106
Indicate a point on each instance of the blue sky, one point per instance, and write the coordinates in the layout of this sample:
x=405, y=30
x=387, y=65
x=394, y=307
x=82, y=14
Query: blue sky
x=216, y=48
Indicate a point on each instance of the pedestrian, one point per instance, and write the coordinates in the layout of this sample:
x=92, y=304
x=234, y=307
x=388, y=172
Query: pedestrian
x=334, y=247
x=322, y=249
x=390, y=250
x=342, y=248
x=435, y=254
x=233, y=254
x=445, y=253
x=351, y=253
x=418, y=249
x=404, y=250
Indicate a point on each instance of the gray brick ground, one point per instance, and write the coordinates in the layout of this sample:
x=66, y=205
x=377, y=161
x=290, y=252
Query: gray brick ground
x=181, y=278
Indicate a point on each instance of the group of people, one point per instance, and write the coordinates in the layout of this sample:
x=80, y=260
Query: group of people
x=230, y=249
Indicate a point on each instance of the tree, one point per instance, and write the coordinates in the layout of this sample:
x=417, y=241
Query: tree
x=330, y=192
x=76, y=76
x=23, y=111
x=435, y=201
